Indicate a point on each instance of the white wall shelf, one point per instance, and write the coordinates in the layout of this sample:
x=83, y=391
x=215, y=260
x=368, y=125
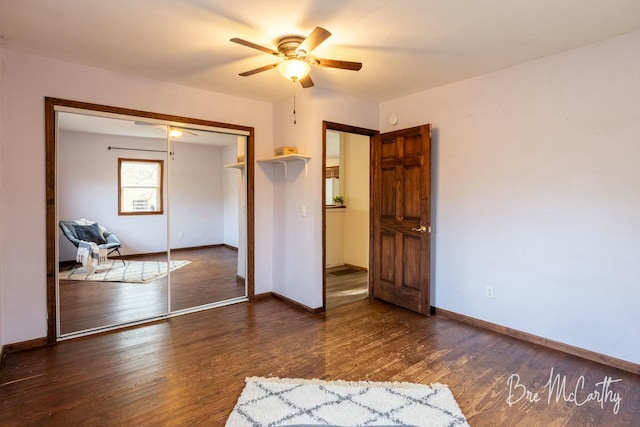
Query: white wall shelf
x=235, y=166
x=288, y=158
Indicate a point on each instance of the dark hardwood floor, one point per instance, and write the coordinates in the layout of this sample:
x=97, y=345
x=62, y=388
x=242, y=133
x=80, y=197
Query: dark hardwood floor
x=345, y=289
x=190, y=370
x=210, y=277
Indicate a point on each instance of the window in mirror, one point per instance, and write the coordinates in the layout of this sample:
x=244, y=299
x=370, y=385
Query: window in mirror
x=140, y=187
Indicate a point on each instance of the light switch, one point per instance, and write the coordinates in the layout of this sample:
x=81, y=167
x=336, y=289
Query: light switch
x=303, y=210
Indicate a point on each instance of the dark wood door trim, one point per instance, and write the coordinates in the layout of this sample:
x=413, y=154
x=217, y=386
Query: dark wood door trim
x=339, y=127
x=50, y=188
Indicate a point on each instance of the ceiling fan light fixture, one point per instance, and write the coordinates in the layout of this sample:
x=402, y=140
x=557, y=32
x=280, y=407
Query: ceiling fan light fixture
x=294, y=69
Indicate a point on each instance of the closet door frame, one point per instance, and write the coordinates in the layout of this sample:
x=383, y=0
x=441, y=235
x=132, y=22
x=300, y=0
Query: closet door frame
x=52, y=105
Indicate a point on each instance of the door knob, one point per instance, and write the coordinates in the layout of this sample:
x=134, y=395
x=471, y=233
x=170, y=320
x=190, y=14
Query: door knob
x=422, y=229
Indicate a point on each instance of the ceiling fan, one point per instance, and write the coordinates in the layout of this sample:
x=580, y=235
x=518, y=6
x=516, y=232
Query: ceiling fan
x=296, y=63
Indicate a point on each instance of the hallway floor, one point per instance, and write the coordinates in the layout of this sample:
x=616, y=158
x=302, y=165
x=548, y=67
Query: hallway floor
x=347, y=288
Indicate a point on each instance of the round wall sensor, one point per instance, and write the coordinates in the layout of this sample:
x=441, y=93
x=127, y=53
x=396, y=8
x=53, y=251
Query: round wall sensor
x=394, y=119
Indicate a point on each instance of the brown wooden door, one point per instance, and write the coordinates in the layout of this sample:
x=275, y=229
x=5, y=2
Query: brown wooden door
x=401, y=200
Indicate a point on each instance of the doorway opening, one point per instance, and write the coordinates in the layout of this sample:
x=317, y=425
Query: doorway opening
x=346, y=214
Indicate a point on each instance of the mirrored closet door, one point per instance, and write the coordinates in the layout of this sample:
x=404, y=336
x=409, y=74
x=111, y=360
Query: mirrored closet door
x=112, y=220
x=151, y=220
x=207, y=218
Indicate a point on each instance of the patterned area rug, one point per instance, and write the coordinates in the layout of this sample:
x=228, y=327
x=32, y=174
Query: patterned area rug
x=288, y=402
x=130, y=272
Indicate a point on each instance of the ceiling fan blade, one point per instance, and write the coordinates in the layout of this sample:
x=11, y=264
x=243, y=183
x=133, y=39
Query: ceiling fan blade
x=335, y=63
x=317, y=36
x=306, y=82
x=258, y=70
x=255, y=46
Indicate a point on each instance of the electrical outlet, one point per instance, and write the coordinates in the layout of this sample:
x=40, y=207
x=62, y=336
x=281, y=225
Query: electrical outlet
x=180, y=235
x=489, y=291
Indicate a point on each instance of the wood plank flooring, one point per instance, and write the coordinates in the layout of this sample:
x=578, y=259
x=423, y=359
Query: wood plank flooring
x=190, y=370
x=210, y=277
x=345, y=289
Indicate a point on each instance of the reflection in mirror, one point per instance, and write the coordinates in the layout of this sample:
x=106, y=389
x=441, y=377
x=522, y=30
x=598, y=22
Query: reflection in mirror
x=150, y=221
x=111, y=183
x=333, y=187
x=207, y=218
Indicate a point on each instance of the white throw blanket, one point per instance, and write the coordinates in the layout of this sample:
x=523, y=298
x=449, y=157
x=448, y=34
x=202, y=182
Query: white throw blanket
x=90, y=255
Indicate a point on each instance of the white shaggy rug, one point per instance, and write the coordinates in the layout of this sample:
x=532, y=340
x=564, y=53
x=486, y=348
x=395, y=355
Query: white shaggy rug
x=288, y=402
x=131, y=272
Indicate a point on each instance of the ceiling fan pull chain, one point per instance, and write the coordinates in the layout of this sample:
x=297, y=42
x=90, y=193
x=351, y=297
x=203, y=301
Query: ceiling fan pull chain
x=294, y=104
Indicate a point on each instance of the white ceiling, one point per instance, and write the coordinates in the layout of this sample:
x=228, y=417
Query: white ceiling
x=405, y=45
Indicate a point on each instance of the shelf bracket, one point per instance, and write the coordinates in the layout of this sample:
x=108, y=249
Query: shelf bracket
x=285, y=168
x=306, y=167
x=288, y=158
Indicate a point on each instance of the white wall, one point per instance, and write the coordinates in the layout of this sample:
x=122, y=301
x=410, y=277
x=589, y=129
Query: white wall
x=196, y=196
x=535, y=192
x=293, y=233
x=355, y=177
x=26, y=80
x=335, y=237
x=298, y=240
x=240, y=178
x=235, y=233
x=232, y=183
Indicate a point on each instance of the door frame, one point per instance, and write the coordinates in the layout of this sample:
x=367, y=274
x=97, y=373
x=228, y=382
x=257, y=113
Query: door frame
x=50, y=105
x=340, y=127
